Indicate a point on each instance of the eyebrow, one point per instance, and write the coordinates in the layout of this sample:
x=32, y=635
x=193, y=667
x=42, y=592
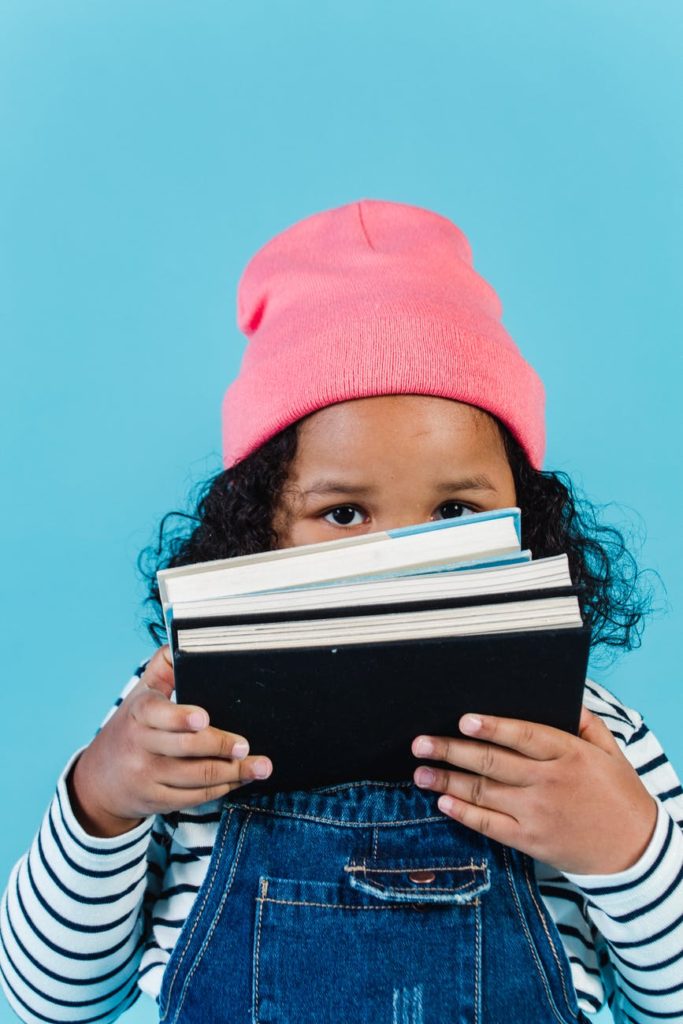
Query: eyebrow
x=478, y=482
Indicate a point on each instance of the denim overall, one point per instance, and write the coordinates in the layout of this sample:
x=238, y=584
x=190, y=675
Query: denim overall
x=363, y=903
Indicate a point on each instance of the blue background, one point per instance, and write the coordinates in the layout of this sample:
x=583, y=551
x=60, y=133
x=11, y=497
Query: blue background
x=149, y=149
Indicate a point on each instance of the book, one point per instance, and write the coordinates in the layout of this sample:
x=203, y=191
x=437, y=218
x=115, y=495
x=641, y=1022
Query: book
x=442, y=542
x=330, y=658
x=503, y=577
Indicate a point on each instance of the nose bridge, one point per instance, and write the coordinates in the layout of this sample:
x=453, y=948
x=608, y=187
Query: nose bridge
x=402, y=505
x=389, y=521
x=402, y=497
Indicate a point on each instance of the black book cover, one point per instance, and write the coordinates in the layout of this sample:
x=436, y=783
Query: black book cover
x=326, y=715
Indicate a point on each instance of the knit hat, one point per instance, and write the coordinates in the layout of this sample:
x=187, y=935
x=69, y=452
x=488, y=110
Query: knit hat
x=372, y=298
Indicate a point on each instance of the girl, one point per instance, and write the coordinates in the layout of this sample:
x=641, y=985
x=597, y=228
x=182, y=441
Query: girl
x=538, y=877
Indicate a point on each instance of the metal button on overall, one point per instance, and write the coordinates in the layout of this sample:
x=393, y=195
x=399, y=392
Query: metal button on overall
x=421, y=876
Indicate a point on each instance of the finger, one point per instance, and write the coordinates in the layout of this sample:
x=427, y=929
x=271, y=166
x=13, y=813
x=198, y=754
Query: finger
x=500, y=827
x=593, y=730
x=483, y=758
x=153, y=709
x=474, y=789
x=180, y=799
x=542, y=742
x=159, y=672
x=205, y=773
x=208, y=742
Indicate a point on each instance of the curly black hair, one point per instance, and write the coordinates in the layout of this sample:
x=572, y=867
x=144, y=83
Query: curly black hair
x=234, y=513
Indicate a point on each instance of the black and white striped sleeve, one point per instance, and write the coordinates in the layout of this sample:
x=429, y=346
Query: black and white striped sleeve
x=639, y=912
x=72, y=918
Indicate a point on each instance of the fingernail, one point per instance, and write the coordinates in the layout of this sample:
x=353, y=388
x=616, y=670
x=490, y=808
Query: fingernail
x=198, y=719
x=261, y=769
x=470, y=724
x=240, y=749
x=424, y=776
x=424, y=746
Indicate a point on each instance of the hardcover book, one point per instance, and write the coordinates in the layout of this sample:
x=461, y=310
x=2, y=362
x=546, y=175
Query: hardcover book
x=330, y=658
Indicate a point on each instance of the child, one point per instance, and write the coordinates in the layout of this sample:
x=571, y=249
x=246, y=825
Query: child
x=378, y=389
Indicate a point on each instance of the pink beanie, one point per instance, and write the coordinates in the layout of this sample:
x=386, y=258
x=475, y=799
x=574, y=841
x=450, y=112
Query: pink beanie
x=372, y=298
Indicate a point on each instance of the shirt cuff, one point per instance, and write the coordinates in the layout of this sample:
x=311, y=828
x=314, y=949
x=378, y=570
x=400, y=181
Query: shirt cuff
x=79, y=844
x=646, y=883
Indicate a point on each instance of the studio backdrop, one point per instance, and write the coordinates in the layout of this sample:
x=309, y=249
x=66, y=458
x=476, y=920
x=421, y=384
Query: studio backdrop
x=148, y=149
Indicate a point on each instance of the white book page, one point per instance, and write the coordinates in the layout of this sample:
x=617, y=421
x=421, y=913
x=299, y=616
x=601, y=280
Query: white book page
x=475, y=541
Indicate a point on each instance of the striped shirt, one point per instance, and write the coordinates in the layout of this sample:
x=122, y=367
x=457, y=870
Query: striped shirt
x=87, y=923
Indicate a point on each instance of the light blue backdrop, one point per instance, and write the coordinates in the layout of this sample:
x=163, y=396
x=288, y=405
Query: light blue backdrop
x=149, y=149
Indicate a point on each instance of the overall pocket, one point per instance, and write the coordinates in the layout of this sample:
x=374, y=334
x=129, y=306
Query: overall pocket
x=390, y=941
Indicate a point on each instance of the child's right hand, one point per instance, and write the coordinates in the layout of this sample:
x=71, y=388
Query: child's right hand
x=154, y=756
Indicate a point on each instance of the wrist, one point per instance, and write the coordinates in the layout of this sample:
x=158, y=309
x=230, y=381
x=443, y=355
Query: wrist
x=95, y=819
x=648, y=823
x=626, y=847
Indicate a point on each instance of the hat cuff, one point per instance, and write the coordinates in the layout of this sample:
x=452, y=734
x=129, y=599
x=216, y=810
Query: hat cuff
x=375, y=356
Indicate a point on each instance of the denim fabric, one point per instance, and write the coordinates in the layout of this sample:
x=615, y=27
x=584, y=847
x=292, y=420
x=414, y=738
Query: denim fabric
x=359, y=903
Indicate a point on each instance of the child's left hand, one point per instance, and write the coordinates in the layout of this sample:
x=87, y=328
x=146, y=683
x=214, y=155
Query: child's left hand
x=574, y=802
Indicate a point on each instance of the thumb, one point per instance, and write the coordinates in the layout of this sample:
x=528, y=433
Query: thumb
x=593, y=730
x=159, y=672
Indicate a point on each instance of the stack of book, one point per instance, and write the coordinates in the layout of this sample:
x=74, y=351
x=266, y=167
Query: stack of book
x=330, y=658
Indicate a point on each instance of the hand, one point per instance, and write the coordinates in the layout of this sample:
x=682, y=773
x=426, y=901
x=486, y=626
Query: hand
x=571, y=801
x=154, y=756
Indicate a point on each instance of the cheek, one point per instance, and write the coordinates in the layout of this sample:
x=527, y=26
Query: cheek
x=308, y=531
x=297, y=532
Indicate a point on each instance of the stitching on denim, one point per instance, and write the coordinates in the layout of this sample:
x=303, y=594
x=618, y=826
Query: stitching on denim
x=436, y=867
x=345, y=906
x=199, y=915
x=477, y=958
x=532, y=947
x=548, y=935
x=375, y=841
x=257, y=952
x=255, y=809
x=228, y=887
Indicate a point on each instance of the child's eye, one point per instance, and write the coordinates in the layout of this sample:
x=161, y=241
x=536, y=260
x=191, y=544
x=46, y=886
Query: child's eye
x=454, y=510
x=343, y=515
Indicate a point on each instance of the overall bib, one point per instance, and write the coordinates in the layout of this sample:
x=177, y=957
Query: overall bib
x=362, y=903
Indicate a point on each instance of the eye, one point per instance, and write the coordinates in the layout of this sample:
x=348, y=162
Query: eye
x=454, y=510
x=343, y=514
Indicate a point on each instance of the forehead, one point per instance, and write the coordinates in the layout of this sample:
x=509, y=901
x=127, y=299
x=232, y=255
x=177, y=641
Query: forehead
x=379, y=426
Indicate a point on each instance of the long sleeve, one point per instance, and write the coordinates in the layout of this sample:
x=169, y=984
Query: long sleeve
x=73, y=917
x=638, y=913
